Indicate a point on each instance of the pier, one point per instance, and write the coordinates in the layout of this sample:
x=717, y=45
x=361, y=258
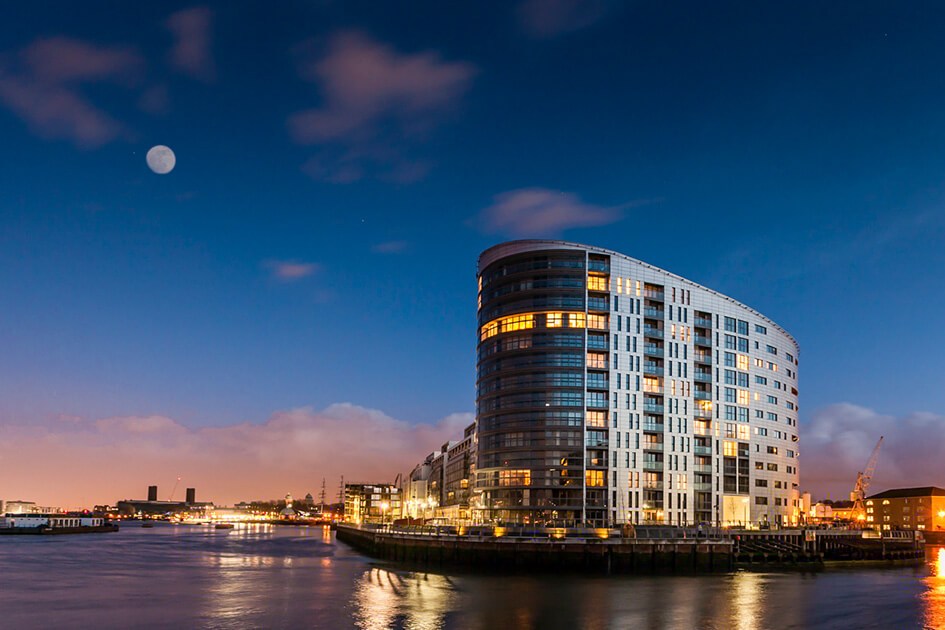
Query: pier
x=641, y=551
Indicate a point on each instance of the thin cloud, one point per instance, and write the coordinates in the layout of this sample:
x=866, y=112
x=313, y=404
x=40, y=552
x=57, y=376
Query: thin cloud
x=192, y=52
x=836, y=444
x=390, y=247
x=377, y=103
x=43, y=87
x=550, y=18
x=543, y=212
x=290, y=452
x=289, y=271
x=155, y=100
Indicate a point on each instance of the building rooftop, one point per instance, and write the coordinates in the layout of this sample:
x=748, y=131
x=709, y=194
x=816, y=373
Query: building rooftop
x=902, y=493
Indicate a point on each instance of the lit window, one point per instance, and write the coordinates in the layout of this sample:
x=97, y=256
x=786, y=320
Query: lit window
x=742, y=362
x=759, y=363
x=594, y=477
x=554, y=320
x=508, y=324
x=743, y=431
x=619, y=285
x=597, y=360
x=597, y=419
x=576, y=320
x=638, y=288
x=515, y=477
x=598, y=322
x=597, y=283
x=682, y=482
x=728, y=449
x=742, y=397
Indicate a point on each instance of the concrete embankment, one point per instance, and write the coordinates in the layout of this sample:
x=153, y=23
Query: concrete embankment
x=508, y=553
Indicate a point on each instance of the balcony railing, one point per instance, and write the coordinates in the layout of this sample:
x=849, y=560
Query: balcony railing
x=653, y=369
x=653, y=426
x=597, y=343
x=702, y=377
x=650, y=407
x=702, y=357
x=653, y=446
x=653, y=351
x=655, y=313
x=598, y=265
x=702, y=322
x=699, y=395
x=652, y=332
x=654, y=295
x=701, y=341
x=597, y=304
x=652, y=485
x=705, y=414
x=702, y=468
x=702, y=487
x=652, y=464
x=702, y=450
x=652, y=389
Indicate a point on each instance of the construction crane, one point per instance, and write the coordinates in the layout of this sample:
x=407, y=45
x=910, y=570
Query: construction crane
x=863, y=480
x=171, y=498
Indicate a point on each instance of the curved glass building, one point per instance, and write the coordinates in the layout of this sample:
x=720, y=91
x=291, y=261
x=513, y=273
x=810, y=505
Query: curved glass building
x=610, y=391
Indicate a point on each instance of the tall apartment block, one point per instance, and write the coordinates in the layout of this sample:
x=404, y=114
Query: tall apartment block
x=611, y=391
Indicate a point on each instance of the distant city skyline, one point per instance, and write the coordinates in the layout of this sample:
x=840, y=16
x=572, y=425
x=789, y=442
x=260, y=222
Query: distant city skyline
x=296, y=298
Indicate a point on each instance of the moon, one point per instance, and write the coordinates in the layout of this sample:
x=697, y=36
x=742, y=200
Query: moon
x=161, y=159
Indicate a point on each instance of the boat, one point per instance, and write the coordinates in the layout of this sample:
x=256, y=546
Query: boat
x=147, y=524
x=223, y=526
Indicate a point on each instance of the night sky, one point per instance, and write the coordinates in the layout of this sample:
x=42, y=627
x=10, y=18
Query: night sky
x=308, y=268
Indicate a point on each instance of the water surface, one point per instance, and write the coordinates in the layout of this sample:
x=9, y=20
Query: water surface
x=280, y=577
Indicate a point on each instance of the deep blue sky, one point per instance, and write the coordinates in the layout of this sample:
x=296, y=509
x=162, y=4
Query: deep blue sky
x=790, y=156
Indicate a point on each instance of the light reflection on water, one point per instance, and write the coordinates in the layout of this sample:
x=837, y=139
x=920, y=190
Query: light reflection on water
x=935, y=596
x=275, y=577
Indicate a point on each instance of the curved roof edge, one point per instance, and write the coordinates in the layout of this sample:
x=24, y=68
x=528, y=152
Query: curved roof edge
x=490, y=255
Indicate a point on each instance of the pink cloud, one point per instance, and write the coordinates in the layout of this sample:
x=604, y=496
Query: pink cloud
x=548, y=18
x=836, y=444
x=288, y=271
x=542, y=212
x=375, y=99
x=44, y=88
x=62, y=59
x=289, y=452
x=192, y=50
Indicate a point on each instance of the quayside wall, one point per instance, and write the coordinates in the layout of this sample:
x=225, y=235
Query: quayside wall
x=647, y=550
x=594, y=554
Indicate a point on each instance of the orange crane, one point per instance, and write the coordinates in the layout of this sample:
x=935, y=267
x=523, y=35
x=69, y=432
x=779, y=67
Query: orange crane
x=863, y=480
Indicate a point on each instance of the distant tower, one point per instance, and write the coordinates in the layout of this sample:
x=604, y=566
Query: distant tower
x=288, y=499
x=191, y=495
x=322, y=496
x=152, y=493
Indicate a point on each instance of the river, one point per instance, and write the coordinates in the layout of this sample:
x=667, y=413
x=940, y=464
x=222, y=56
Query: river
x=287, y=577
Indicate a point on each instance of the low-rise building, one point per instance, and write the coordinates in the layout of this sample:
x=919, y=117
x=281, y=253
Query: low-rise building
x=26, y=507
x=908, y=508
x=372, y=503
